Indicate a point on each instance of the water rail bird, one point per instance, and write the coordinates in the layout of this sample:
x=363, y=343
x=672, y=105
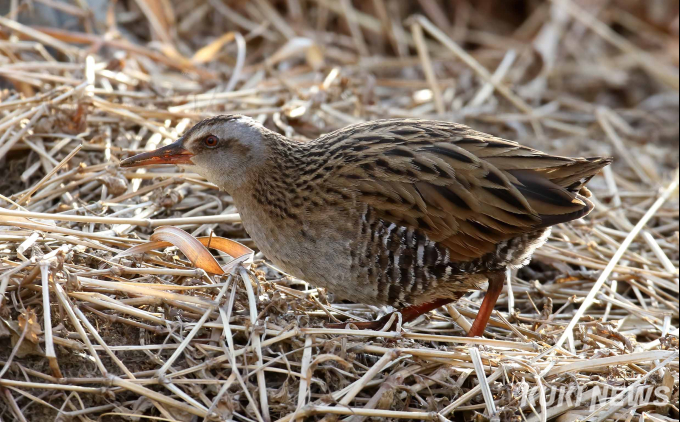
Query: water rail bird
x=403, y=212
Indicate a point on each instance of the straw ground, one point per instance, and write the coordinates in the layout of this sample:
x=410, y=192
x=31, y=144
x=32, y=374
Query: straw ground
x=89, y=334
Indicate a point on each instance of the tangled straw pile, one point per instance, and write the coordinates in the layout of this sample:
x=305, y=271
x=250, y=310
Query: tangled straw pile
x=86, y=334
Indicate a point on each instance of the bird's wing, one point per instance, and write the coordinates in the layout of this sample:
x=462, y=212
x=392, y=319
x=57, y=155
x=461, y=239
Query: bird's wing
x=465, y=189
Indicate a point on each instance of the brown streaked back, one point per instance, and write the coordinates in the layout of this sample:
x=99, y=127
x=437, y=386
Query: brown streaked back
x=465, y=189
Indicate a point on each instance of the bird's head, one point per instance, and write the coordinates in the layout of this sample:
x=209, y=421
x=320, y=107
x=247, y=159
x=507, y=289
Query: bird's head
x=227, y=150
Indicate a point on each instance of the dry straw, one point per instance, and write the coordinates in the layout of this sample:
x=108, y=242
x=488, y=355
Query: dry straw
x=88, y=331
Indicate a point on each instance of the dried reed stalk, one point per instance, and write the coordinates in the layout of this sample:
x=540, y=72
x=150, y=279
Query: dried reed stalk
x=88, y=331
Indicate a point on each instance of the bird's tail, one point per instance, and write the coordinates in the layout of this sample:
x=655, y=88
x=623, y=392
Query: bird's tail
x=559, y=194
x=575, y=175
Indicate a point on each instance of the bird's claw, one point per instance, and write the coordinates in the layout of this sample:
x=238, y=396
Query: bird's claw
x=389, y=322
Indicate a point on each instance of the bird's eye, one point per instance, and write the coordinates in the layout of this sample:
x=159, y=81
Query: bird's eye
x=211, y=141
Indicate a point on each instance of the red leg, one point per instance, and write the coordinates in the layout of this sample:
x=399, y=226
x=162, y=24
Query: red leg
x=494, y=290
x=410, y=313
x=407, y=314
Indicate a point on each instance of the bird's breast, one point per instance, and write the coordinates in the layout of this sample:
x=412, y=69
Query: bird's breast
x=312, y=247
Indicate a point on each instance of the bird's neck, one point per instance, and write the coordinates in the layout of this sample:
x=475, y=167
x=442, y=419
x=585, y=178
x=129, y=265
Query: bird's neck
x=275, y=189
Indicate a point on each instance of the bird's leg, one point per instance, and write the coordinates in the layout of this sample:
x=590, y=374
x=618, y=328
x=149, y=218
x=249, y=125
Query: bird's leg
x=492, y=292
x=412, y=312
x=407, y=314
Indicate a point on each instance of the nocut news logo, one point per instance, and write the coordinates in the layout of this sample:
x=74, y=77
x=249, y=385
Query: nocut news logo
x=597, y=395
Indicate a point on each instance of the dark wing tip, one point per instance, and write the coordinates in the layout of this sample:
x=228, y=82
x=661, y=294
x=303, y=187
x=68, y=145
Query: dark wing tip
x=551, y=220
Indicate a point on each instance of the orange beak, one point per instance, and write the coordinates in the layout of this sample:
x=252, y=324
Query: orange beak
x=174, y=153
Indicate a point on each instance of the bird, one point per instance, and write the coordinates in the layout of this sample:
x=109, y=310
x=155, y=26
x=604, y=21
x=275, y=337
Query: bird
x=408, y=213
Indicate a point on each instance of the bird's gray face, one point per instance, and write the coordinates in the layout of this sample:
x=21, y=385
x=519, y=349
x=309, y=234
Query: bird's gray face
x=226, y=150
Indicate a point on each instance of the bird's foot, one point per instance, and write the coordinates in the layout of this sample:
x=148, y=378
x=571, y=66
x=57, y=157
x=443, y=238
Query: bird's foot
x=396, y=319
x=389, y=322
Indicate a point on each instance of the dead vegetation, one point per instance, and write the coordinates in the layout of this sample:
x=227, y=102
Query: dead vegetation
x=90, y=333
